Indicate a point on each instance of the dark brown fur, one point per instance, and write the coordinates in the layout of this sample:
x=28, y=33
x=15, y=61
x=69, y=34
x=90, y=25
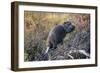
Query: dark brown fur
x=58, y=33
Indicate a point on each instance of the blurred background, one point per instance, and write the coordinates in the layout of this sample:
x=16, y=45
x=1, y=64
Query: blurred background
x=37, y=26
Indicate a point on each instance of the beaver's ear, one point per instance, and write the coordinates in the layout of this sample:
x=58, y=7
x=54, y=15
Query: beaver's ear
x=67, y=22
x=64, y=23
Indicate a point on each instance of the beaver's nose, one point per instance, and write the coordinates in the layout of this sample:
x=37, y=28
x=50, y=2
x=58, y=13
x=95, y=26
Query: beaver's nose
x=73, y=27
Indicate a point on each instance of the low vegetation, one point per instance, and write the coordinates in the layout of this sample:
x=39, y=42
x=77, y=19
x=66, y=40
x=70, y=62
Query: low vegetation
x=37, y=26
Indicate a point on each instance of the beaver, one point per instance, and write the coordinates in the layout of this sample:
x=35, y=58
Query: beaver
x=57, y=34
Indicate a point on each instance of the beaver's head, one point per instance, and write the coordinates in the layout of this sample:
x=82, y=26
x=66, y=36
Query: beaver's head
x=68, y=26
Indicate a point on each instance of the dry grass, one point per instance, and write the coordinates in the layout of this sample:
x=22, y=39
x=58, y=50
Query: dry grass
x=37, y=27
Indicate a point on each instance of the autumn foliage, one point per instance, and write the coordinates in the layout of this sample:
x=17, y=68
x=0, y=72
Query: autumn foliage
x=36, y=29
